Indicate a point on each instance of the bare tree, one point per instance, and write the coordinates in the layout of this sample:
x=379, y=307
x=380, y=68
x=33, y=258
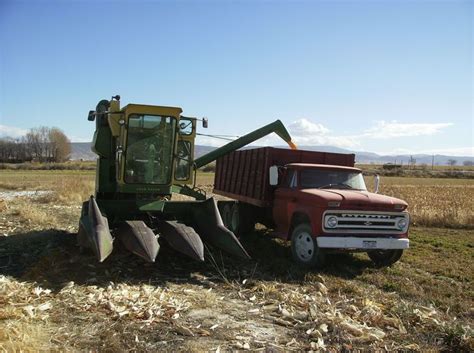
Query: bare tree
x=60, y=146
x=33, y=141
x=412, y=162
x=452, y=162
x=43, y=144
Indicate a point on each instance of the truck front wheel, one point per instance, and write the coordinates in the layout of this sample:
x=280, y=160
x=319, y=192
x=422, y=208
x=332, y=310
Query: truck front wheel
x=304, y=247
x=384, y=258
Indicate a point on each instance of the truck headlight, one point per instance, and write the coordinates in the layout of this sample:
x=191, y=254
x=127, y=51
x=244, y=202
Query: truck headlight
x=402, y=223
x=331, y=222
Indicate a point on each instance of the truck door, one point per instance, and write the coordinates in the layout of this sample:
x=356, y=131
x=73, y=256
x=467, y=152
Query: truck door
x=284, y=202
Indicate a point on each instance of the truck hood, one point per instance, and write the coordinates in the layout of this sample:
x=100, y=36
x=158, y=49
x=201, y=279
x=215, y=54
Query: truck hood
x=355, y=198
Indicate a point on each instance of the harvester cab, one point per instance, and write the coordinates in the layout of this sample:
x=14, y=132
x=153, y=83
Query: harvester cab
x=145, y=154
x=151, y=148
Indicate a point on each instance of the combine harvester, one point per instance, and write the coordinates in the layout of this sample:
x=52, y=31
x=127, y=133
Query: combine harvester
x=146, y=153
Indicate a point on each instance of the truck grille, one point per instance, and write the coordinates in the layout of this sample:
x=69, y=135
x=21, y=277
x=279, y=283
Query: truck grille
x=365, y=222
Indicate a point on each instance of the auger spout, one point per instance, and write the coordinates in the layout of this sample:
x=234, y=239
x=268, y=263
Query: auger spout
x=276, y=127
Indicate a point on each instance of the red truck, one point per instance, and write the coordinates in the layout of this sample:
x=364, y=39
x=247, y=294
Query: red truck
x=318, y=200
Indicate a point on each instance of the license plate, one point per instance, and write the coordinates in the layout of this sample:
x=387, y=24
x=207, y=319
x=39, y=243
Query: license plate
x=369, y=244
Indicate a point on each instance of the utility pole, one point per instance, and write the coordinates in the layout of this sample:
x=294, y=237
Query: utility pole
x=432, y=162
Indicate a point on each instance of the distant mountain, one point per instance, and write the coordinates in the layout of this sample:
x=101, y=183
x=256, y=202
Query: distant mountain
x=370, y=157
x=82, y=150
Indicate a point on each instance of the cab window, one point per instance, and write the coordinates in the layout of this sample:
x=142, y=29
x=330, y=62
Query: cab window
x=149, y=149
x=290, y=180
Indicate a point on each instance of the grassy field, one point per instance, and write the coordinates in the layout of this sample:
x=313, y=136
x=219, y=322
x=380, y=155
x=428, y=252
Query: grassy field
x=54, y=298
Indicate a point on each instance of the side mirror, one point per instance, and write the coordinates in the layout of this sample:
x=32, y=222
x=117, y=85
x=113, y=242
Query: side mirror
x=91, y=115
x=377, y=183
x=204, y=123
x=273, y=174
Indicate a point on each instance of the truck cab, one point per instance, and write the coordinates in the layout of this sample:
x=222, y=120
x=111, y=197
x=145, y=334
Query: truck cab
x=323, y=208
x=318, y=200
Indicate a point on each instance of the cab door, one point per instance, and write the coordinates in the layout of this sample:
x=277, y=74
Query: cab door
x=284, y=202
x=184, y=151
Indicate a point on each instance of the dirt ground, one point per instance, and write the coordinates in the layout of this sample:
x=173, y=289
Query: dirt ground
x=53, y=297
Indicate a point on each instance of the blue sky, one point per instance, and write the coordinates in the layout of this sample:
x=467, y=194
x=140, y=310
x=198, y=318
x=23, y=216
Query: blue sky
x=380, y=76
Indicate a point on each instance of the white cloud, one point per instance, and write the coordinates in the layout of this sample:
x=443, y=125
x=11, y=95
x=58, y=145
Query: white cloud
x=391, y=129
x=302, y=131
x=305, y=132
x=11, y=131
x=304, y=127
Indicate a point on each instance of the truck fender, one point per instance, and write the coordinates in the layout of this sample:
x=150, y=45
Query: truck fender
x=297, y=218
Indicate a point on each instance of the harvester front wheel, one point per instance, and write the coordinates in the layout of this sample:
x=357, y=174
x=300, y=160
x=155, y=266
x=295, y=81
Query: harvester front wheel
x=304, y=247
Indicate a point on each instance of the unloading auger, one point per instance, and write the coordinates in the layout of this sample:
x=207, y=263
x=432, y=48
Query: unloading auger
x=145, y=154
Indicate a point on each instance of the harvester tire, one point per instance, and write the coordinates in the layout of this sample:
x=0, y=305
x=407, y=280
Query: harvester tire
x=304, y=248
x=384, y=258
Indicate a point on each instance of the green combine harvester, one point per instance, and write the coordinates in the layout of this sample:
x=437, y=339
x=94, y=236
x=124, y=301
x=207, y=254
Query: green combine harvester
x=145, y=154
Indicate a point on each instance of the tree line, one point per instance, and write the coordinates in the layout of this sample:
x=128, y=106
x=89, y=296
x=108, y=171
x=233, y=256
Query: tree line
x=41, y=144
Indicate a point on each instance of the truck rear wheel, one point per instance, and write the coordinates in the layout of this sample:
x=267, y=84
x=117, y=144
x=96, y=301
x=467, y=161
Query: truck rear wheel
x=241, y=219
x=384, y=258
x=304, y=247
x=226, y=215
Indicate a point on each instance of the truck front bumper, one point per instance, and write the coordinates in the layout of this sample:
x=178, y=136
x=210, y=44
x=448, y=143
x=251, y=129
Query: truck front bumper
x=362, y=243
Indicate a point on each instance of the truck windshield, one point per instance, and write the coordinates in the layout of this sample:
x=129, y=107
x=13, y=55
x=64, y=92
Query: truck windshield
x=150, y=141
x=332, y=179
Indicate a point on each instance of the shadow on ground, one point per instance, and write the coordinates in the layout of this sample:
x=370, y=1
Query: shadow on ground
x=52, y=259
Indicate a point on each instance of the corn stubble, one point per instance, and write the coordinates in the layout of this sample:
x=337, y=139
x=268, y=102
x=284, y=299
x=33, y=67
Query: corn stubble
x=60, y=299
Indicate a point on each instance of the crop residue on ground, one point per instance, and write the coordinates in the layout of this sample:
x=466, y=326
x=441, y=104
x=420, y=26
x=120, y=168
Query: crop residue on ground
x=54, y=297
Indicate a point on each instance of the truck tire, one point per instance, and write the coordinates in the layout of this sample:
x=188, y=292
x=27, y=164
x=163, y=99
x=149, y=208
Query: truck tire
x=304, y=247
x=226, y=215
x=383, y=258
x=241, y=220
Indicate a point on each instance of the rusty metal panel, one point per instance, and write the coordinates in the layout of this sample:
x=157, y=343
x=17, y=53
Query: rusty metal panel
x=243, y=175
x=228, y=176
x=240, y=170
x=238, y=181
x=259, y=188
x=253, y=167
x=245, y=172
x=217, y=180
